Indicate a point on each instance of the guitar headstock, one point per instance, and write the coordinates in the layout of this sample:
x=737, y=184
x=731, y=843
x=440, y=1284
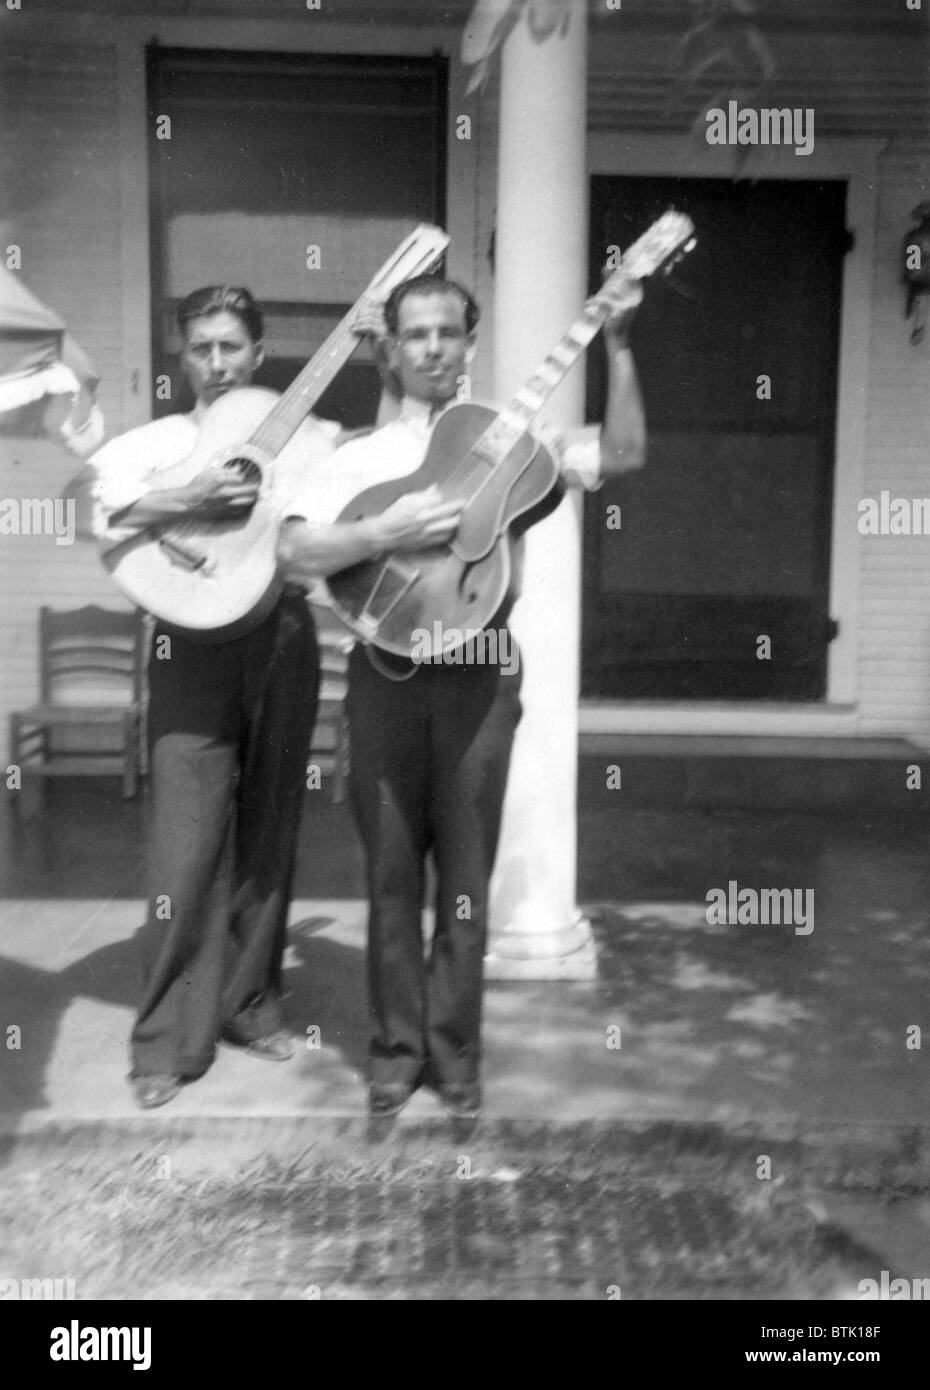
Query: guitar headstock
x=420, y=250
x=669, y=239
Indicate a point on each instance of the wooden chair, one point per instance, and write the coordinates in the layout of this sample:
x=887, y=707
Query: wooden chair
x=330, y=746
x=89, y=717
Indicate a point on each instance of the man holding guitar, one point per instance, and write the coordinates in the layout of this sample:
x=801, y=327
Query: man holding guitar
x=230, y=719
x=431, y=742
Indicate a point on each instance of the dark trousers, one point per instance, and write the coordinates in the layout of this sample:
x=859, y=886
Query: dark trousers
x=428, y=773
x=229, y=728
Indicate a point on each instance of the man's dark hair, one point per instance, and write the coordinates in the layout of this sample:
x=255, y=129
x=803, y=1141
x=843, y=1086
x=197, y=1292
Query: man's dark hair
x=222, y=299
x=429, y=284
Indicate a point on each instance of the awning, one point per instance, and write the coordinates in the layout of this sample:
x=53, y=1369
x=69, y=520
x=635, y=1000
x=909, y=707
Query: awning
x=38, y=356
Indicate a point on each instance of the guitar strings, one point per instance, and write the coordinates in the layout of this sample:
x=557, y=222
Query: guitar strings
x=281, y=413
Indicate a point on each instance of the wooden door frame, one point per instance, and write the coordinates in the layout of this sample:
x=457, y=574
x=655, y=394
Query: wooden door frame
x=261, y=61
x=137, y=32
x=856, y=162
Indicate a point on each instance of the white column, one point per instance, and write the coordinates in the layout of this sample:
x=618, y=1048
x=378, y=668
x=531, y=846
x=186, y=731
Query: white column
x=537, y=931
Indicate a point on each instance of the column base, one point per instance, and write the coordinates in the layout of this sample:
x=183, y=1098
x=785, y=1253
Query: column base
x=568, y=954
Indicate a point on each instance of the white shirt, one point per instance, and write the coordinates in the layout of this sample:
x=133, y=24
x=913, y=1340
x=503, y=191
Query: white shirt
x=398, y=449
x=392, y=451
x=129, y=466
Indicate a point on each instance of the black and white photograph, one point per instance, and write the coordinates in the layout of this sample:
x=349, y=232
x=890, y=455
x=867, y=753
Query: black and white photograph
x=465, y=680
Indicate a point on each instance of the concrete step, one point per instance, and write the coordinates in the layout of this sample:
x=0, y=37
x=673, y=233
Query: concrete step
x=812, y=774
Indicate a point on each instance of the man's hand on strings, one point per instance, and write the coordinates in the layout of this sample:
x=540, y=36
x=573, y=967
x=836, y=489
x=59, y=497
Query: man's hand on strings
x=418, y=520
x=219, y=494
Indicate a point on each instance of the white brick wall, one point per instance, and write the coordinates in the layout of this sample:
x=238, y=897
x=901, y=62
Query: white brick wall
x=60, y=117
x=894, y=618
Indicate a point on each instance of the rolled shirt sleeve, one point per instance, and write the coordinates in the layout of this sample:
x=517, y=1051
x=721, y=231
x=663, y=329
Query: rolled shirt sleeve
x=133, y=464
x=129, y=466
x=581, y=457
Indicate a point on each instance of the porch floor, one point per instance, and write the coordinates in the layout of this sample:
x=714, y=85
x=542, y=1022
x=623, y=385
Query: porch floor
x=735, y=1041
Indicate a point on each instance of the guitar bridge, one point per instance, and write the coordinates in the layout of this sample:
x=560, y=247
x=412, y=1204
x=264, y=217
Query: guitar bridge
x=184, y=557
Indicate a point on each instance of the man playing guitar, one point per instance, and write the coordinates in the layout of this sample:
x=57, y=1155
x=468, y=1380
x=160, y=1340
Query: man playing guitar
x=431, y=743
x=229, y=727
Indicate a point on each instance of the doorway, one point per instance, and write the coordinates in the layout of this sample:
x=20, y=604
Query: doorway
x=724, y=536
x=295, y=175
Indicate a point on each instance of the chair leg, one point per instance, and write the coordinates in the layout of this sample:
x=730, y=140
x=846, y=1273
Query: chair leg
x=339, y=761
x=31, y=792
x=131, y=757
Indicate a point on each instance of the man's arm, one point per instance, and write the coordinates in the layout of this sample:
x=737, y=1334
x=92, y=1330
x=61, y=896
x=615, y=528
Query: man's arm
x=116, y=494
x=309, y=550
x=211, y=496
x=207, y=496
x=589, y=454
x=623, y=433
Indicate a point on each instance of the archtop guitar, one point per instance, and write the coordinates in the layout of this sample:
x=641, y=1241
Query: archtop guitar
x=429, y=602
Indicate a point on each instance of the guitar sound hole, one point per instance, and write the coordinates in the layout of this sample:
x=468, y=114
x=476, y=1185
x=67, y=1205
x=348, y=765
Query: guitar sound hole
x=249, y=472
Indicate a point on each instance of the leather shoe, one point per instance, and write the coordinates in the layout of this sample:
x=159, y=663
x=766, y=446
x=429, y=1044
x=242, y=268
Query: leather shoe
x=155, y=1090
x=462, y=1098
x=274, y=1047
x=388, y=1098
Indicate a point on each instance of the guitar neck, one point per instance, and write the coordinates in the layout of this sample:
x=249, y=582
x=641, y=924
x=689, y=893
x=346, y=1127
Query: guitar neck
x=421, y=249
x=511, y=423
x=305, y=390
x=671, y=234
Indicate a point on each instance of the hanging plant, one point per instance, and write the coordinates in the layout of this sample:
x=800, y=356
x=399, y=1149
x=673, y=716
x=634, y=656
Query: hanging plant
x=723, y=51
x=490, y=22
x=723, y=56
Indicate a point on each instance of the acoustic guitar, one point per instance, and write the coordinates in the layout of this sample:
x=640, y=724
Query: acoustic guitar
x=401, y=602
x=218, y=579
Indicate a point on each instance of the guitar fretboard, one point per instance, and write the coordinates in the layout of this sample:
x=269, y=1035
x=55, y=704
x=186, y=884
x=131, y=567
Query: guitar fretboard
x=493, y=446
x=421, y=249
x=667, y=235
x=305, y=390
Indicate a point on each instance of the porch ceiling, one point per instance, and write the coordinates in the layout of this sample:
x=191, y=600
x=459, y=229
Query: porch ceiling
x=826, y=16
x=861, y=64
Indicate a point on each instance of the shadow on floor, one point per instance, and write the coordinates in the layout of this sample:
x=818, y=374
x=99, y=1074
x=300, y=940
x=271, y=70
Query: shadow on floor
x=324, y=989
